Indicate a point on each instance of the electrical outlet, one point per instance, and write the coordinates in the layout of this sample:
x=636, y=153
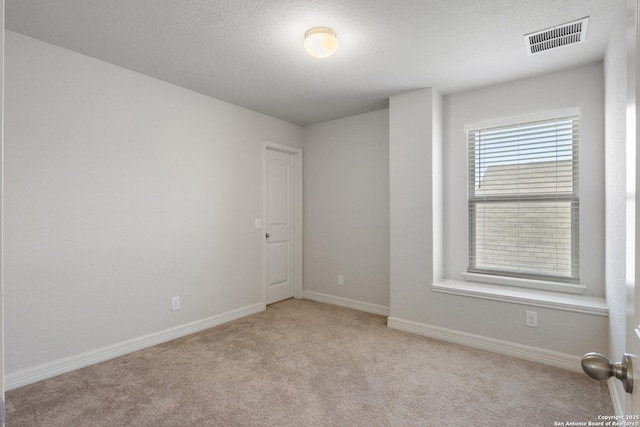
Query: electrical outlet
x=175, y=303
x=340, y=279
x=532, y=319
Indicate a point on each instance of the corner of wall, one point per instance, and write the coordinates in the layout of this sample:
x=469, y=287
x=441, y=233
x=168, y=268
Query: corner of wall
x=412, y=126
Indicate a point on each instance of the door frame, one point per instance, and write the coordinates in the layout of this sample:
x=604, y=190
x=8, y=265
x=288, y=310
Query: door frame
x=632, y=402
x=297, y=227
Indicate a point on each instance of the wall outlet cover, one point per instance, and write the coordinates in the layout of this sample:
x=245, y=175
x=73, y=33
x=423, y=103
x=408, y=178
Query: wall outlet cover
x=532, y=319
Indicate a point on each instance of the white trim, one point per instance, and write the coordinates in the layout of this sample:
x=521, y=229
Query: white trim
x=616, y=398
x=345, y=302
x=298, y=238
x=28, y=376
x=555, y=300
x=534, y=354
x=523, y=118
x=3, y=411
x=524, y=283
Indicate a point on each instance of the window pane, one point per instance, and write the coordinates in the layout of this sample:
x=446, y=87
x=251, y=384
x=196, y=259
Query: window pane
x=523, y=200
x=532, y=238
x=535, y=177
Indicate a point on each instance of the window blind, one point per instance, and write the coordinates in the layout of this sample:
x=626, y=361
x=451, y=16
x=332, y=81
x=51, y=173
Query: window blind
x=523, y=200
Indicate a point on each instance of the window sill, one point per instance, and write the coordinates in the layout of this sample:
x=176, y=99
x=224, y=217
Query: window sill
x=524, y=283
x=531, y=297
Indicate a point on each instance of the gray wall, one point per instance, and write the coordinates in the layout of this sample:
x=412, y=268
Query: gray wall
x=121, y=192
x=413, y=242
x=336, y=236
x=577, y=88
x=414, y=200
x=346, y=207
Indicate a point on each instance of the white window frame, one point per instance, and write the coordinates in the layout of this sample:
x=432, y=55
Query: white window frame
x=515, y=279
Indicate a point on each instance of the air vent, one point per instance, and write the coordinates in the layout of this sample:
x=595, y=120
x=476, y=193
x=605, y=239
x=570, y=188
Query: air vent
x=562, y=35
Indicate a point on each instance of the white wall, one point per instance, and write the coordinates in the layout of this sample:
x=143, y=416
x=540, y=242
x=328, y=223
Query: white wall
x=121, y=192
x=414, y=237
x=615, y=79
x=413, y=117
x=346, y=208
x=580, y=88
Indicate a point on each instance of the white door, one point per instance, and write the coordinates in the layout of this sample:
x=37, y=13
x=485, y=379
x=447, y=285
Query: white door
x=280, y=226
x=600, y=367
x=632, y=404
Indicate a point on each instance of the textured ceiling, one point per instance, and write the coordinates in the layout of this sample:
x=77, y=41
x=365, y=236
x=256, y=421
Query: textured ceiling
x=249, y=52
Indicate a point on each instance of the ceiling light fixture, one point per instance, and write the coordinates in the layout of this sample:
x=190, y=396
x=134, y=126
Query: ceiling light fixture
x=320, y=42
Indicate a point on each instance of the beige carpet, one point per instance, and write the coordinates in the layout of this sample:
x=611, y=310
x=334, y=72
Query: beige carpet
x=302, y=363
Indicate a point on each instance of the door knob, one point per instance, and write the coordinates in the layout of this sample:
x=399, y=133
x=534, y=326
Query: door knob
x=266, y=235
x=599, y=367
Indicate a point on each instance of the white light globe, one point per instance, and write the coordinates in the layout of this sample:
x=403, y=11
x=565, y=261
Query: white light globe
x=320, y=42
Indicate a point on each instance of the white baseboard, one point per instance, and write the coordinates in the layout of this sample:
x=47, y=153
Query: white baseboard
x=345, y=302
x=534, y=354
x=617, y=396
x=27, y=376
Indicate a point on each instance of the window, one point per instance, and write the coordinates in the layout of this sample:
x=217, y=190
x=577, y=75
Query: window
x=523, y=200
